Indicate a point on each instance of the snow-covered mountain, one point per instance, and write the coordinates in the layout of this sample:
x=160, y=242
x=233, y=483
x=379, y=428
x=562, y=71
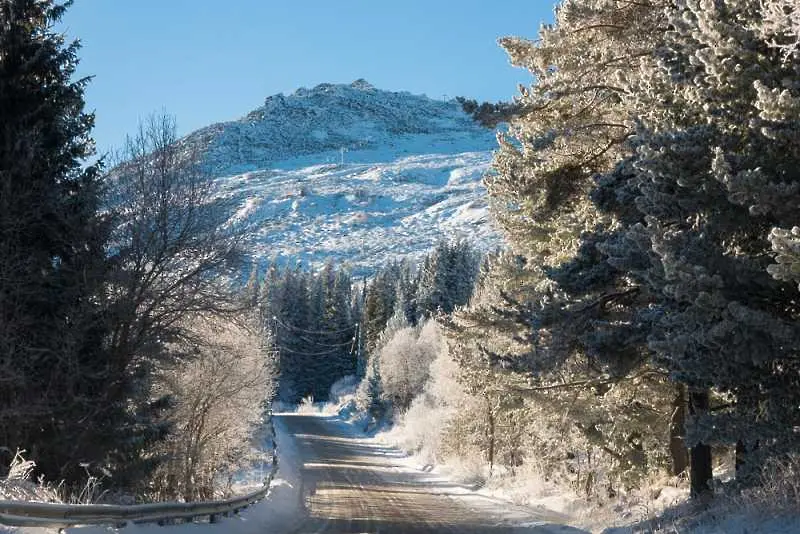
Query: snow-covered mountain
x=354, y=173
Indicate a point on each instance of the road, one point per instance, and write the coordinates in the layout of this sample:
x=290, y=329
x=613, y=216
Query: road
x=346, y=484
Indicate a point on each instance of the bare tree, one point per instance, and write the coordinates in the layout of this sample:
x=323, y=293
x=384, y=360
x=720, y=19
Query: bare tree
x=220, y=386
x=174, y=241
x=176, y=254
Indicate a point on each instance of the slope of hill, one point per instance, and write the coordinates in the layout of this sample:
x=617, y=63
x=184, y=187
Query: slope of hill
x=354, y=173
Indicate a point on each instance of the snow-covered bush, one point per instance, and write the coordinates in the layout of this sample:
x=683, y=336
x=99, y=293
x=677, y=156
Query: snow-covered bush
x=307, y=406
x=405, y=362
x=779, y=491
x=344, y=387
x=219, y=390
x=432, y=416
x=780, y=24
x=421, y=429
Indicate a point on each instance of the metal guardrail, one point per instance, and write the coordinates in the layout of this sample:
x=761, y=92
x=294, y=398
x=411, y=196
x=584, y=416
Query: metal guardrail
x=34, y=514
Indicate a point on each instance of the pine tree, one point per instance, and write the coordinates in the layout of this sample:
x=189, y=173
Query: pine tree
x=446, y=278
x=52, y=254
x=379, y=304
x=312, y=319
x=376, y=404
x=557, y=320
x=716, y=172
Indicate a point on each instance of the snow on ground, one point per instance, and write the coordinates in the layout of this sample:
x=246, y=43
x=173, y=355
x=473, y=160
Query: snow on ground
x=349, y=472
x=277, y=513
x=365, y=213
x=660, y=507
x=283, y=511
x=353, y=173
x=456, y=480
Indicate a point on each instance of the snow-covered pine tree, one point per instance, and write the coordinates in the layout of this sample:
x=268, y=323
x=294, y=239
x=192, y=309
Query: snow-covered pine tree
x=285, y=309
x=379, y=303
x=376, y=403
x=333, y=329
x=407, y=292
x=253, y=284
x=446, y=278
x=311, y=318
x=780, y=25
x=716, y=169
x=563, y=320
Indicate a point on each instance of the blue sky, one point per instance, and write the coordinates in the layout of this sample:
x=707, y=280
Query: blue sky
x=206, y=61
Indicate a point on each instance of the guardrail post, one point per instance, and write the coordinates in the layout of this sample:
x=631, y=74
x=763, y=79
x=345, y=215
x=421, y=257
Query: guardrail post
x=213, y=518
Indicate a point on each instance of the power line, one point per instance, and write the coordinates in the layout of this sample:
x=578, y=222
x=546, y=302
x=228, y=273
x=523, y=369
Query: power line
x=301, y=353
x=313, y=342
x=313, y=332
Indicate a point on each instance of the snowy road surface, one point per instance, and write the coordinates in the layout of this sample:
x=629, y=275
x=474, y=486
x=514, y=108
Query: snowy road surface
x=334, y=481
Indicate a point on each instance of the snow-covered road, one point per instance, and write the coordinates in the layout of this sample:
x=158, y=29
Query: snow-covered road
x=333, y=480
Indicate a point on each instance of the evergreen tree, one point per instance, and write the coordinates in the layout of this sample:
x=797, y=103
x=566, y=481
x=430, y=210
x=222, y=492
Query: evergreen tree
x=716, y=173
x=407, y=292
x=379, y=303
x=252, y=287
x=564, y=319
x=376, y=404
x=446, y=278
x=53, y=331
x=311, y=319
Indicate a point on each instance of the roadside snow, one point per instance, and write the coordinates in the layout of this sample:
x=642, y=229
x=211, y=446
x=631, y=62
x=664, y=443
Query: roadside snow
x=277, y=513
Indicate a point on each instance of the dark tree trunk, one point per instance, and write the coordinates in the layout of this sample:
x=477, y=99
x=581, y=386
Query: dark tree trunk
x=677, y=432
x=746, y=470
x=700, y=473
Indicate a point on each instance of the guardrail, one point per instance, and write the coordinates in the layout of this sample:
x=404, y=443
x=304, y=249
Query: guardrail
x=34, y=514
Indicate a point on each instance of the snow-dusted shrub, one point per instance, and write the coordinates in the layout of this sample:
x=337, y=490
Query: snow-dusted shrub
x=405, y=362
x=307, y=406
x=344, y=387
x=219, y=390
x=779, y=491
x=780, y=24
x=18, y=484
x=423, y=429
x=771, y=506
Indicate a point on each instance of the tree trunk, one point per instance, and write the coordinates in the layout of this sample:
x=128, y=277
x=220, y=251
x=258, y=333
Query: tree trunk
x=745, y=465
x=677, y=432
x=744, y=460
x=700, y=473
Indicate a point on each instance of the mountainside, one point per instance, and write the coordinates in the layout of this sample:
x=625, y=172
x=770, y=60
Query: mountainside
x=354, y=173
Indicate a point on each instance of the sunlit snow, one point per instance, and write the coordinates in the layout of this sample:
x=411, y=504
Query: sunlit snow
x=353, y=173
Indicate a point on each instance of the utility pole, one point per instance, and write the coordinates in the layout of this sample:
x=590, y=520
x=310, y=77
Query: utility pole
x=359, y=353
x=275, y=350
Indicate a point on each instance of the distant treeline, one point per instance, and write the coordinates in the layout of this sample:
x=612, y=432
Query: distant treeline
x=489, y=114
x=324, y=325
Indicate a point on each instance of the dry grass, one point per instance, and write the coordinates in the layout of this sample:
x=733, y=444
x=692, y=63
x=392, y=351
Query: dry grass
x=20, y=486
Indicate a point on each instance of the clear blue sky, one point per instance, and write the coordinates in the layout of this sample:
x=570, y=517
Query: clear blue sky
x=206, y=61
